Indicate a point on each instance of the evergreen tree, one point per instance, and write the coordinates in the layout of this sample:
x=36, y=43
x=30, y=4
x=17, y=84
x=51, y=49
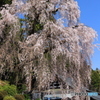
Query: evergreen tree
x=95, y=80
x=3, y=2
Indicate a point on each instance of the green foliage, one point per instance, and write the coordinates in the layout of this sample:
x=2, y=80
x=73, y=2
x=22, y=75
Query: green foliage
x=21, y=88
x=3, y=2
x=38, y=27
x=27, y=97
x=9, y=98
x=10, y=89
x=34, y=25
x=38, y=99
x=19, y=97
x=95, y=80
x=29, y=26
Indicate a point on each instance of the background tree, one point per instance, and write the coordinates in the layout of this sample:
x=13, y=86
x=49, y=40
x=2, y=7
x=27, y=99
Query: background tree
x=95, y=80
x=3, y=2
x=9, y=92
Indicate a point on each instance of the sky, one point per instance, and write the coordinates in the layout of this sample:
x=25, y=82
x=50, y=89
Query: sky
x=90, y=16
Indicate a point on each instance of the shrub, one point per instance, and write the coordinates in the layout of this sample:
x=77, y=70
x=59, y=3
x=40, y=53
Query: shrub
x=10, y=89
x=9, y=98
x=27, y=97
x=38, y=99
x=21, y=88
x=2, y=94
x=19, y=97
x=2, y=83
